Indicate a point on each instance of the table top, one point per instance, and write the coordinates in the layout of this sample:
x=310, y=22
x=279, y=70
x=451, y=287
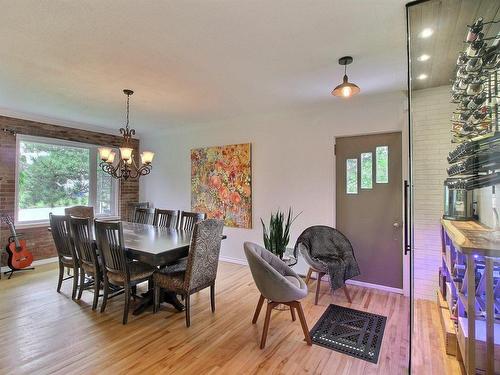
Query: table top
x=471, y=237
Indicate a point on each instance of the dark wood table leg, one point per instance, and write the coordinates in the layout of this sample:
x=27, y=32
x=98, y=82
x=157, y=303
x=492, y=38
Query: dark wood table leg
x=147, y=301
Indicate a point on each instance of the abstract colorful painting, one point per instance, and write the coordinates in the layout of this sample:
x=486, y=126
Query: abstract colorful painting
x=221, y=183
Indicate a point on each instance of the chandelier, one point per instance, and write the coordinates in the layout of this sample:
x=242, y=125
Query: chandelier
x=346, y=89
x=125, y=166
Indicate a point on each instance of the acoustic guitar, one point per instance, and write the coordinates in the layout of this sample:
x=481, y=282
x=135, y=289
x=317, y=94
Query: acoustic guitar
x=19, y=255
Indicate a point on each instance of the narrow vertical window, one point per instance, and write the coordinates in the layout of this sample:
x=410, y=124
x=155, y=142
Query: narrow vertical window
x=352, y=176
x=382, y=168
x=366, y=170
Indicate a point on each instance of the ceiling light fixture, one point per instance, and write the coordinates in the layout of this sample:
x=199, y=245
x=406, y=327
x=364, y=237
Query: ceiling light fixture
x=423, y=57
x=125, y=167
x=422, y=77
x=425, y=33
x=346, y=89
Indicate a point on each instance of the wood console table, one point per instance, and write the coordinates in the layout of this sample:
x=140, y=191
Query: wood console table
x=471, y=249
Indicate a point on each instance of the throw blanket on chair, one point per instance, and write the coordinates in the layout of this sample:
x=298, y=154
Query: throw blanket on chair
x=330, y=252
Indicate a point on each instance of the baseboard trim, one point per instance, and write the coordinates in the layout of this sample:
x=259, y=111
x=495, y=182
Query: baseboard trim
x=34, y=264
x=239, y=261
x=375, y=286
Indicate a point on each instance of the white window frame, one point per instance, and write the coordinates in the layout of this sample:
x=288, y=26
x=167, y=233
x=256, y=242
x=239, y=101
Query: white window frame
x=92, y=178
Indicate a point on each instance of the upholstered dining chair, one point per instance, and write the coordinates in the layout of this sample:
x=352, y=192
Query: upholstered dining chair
x=80, y=211
x=132, y=206
x=117, y=268
x=328, y=252
x=277, y=283
x=187, y=220
x=142, y=215
x=82, y=229
x=66, y=254
x=200, y=270
x=165, y=218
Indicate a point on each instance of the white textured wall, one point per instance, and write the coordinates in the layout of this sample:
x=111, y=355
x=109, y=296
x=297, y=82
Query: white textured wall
x=431, y=109
x=293, y=160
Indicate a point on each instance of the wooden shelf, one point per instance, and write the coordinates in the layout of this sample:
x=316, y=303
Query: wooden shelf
x=472, y=237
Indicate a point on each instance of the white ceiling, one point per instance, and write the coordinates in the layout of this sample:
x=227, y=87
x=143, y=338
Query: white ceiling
x=191, y=61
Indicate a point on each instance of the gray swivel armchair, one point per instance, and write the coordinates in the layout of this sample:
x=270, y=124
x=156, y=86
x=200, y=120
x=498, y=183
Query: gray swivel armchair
x=278, y=284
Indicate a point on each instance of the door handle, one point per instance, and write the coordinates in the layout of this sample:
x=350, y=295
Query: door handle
x=407, y=245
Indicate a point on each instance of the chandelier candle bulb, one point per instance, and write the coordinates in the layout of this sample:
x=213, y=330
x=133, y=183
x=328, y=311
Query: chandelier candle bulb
x=147, y=157
x=111, y=157
x=104, y=153
x=126, y=153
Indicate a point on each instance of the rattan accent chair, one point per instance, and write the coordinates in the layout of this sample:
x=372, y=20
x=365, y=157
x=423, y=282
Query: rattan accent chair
x=277, y=283
x=86, y=251
x=165, y=218
x=142, y=216
x=200, y=270
x=80, y=211
x=66, y=254
x=187, y=220
x=117, y=269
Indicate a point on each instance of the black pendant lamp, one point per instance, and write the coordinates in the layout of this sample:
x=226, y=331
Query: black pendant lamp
x=346, y=89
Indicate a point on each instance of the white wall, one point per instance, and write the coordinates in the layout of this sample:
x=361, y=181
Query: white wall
x=292, y=162
x=431, y=110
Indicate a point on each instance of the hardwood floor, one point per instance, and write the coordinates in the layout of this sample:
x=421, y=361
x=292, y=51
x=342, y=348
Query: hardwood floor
x=44, y=332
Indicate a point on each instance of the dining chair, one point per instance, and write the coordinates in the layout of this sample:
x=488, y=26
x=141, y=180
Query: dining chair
x=187, y=220
x=328, y=252
x=66, y=254
x=165, y=218
x=80, y=211
x=82, y=229
x=142, y=216
x=277, y=283
x=132, y=206
x=117, y=268
x=200, y=270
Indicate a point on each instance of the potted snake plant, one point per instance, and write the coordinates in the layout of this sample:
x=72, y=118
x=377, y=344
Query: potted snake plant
x=277, y=236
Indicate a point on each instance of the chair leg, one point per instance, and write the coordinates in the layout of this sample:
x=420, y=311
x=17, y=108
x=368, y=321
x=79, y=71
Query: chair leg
x=347, y=295
x=61, y=276
x=212, y=297
x=188, y=309
x=292, y=312
x=75, y=283
x=308, y=277
x=269, y=309
x=156, y=298
x=318, y=287
x=126, y=288
x=82, y=283
x=97, y=286
x=303, y=322
x=105, y=293
x=257, y=310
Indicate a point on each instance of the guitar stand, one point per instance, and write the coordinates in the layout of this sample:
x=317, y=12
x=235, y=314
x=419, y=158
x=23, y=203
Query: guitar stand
x=17, y=270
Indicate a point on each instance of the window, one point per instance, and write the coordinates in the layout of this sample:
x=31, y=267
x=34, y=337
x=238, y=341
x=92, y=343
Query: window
x=382, y=168
x=366, y=170
x=54, y=174
x=351, y=176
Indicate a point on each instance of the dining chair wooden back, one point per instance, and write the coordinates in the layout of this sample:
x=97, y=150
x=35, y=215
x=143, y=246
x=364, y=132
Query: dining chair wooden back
x=80, y=211
x=132, y=206
x=82, y=229
x=165, y=218
x=187, y=220
x=109, y=235
x=117, y=269
x=142, y=215
x=66, y=254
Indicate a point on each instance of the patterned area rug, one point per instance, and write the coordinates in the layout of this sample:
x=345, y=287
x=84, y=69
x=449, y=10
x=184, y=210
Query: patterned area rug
x=353, y=332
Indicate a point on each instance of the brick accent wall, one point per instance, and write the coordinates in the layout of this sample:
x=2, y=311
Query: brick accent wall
x=39, y=240
x=431, y=109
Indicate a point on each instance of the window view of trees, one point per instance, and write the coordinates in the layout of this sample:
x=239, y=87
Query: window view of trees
x=52, y=175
